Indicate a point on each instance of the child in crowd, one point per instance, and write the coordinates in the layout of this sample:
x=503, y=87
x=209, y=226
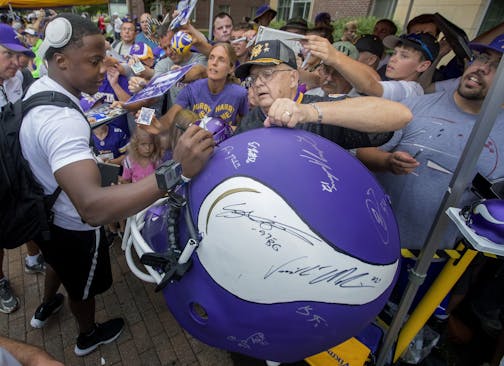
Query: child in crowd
x=144, y=153
x=110, y=143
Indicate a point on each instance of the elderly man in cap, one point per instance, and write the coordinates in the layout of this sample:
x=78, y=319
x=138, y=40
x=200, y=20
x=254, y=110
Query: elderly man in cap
x=264, y=15
x=426, y=152
x=11, y=90
x=272, y=73
x=413, y=54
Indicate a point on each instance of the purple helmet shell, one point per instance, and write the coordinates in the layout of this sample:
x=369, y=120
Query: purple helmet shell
x=487, y=220
x=219, y=128
x=299, y=247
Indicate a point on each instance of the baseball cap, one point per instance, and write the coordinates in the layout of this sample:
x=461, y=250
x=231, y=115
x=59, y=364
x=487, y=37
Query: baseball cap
x=263, y=10
x=297, y=23
x=9, y=39
x=423, y=42
x=267, y=53
x=323, y=17
x=89, y=101
x=496, y=45
x=370, y=43
x=142, y=50
x=30, y=32
x=347, y=48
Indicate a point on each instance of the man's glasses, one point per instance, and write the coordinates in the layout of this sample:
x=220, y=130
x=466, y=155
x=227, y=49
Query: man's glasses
x=485, y=59
x=416, y=38
x=264, y=75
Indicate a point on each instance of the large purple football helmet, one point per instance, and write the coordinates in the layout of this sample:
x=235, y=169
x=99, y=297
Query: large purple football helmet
x=298, y=246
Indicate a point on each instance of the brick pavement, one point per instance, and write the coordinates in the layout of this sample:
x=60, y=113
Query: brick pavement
x=151, y=336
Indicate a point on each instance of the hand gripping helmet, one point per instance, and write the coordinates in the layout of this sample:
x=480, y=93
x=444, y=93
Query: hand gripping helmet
x=486, y=218
x=219, y=128
x=298, y=247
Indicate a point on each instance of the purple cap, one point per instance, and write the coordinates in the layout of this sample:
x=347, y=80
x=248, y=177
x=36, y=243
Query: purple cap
x=142, y=50
x=9, y=39
x=496, y=45
x=263, y=9
x=89, y=101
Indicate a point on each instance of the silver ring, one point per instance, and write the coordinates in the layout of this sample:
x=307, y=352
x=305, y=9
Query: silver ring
x=288, y=113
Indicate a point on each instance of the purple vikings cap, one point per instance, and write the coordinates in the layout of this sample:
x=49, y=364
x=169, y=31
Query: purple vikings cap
x=9, y=39
x=496, y=45
x=142, y=50
x=89, y=101
x=263, y=9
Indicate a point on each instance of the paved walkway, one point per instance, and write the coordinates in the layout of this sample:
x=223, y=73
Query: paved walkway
x=151, y=336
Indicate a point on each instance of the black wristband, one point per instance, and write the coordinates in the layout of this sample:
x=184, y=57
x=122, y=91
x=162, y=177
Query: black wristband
x=168, y=175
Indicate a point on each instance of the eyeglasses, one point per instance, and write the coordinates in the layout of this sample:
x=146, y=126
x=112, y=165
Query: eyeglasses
x=264, y=75
x=485, y=59
x=416, y=38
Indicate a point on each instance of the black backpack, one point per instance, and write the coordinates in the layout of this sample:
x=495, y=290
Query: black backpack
x=25, y=211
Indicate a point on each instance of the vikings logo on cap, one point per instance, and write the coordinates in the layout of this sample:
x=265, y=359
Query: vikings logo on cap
x=181, y=42
x=298, y=251
x=142, y=50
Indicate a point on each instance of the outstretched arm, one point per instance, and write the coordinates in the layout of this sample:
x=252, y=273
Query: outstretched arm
x=366, y=114
x=362, y=77
x=27, y=354
x=98, y=205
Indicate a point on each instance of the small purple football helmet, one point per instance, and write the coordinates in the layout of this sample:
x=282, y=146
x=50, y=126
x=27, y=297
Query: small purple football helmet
x=219, y=128
x=486, y=218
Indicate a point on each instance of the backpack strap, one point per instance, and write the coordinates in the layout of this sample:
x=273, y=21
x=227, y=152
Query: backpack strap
x=50, y=98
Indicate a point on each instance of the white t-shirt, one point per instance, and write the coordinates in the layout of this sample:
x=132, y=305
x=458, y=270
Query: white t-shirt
x=13, y=88
x=397, y=90
x=52, y=137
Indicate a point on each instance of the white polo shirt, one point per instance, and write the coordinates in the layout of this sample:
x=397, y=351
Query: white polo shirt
x=13, y=88
x=52, y=137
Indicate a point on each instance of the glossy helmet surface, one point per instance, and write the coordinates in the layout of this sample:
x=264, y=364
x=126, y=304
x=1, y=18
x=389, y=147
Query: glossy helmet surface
x=181, y=42
x=219, y=128
x=299, y=248
x=486, y=218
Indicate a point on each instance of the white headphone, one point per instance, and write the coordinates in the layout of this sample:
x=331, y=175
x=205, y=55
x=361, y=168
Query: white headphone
x=57, y=35
x=58, y=32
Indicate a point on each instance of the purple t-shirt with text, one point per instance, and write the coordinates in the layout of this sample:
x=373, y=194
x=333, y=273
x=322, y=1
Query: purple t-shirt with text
x=226, y=105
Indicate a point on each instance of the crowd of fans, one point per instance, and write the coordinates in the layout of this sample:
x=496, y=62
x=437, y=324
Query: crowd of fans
x=355, y=91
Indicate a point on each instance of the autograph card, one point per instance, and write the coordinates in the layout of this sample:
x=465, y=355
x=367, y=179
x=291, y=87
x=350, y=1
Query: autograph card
x=137, y=67
x=145, y=117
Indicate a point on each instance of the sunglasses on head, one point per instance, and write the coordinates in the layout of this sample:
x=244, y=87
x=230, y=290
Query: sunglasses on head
x=416, y=38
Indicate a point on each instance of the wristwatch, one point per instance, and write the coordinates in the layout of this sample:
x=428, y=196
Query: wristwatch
x=168, y=175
